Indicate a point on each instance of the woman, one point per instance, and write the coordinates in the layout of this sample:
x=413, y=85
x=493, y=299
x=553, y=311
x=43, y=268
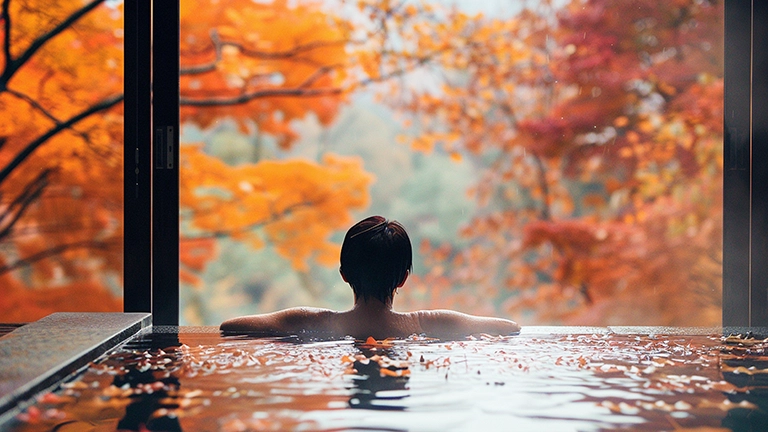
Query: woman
x=376, y=258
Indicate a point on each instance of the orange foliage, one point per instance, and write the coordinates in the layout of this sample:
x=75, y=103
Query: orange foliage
x=295, y=205
x=21, y=304
x=61, y=157
x=265, y=65
x=61, y=221
x=600, y=130
x=262, y=64
x=604, y=132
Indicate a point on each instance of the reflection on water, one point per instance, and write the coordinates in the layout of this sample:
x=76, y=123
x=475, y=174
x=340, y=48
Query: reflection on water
x=581, y=382
x=154, y=392
x=378, y=382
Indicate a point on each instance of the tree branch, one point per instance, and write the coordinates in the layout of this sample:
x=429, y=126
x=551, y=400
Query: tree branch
x=207, y=67
x=13, y=65
x=300, y=91
x=292, y=52
x=545, y=213
x=228, y=233
x=7, y=24
x=23, y=262
x=32, y=146
x=16, y=209
x=218, y=44
x=35, y=104
x=247, y=97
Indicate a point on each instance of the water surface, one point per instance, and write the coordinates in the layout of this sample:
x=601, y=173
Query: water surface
x=205, y=381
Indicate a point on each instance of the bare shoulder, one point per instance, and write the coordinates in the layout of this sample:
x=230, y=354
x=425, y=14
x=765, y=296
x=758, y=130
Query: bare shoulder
x=444, y=322
x=286, y=321
x=305, y=313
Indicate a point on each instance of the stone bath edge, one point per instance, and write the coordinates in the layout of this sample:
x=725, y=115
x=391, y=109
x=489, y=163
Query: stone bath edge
x=40, y=354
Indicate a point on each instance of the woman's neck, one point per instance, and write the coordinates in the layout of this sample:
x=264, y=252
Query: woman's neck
x=372, y=306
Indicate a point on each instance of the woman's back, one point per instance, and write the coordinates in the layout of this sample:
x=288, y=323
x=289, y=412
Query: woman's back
x=374, y=321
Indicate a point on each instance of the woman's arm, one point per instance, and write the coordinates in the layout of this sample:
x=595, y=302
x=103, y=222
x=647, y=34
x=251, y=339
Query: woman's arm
x=448, y=323
x=280, y=323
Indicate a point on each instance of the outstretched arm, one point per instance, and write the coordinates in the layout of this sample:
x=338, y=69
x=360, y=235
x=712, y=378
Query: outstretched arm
x=448, y=323
x=280, y=323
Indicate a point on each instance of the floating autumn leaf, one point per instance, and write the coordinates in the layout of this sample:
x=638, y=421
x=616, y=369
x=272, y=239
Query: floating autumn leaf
x=370, y=342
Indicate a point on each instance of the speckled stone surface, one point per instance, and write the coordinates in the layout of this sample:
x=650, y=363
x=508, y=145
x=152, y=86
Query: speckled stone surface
x=39, y=354
x=185, y=329
x=7, y=328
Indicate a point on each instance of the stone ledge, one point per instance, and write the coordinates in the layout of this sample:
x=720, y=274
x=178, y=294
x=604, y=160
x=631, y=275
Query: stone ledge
x=38, y=355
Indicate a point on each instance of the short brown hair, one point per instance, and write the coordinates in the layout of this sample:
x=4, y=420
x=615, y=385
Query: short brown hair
x=376, y=256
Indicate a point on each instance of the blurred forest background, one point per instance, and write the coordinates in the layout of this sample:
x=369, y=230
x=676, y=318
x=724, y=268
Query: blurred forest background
x=556, y=162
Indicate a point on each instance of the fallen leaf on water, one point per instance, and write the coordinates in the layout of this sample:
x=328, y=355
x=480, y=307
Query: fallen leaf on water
x=743, y=370
x=738, y=339
x=395, y=373
x=371, y=342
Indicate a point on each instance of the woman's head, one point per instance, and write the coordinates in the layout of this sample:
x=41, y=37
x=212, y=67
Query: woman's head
x=376, y=257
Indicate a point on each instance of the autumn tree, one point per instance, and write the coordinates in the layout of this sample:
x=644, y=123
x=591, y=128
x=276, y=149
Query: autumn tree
x=598, y=139
x=263, y=67
x=596, y=126
x=60, y=157
x=600, y=127
x=250, y=63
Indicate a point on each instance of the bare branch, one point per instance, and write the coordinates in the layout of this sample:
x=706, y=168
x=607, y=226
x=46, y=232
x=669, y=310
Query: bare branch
x=71, y=227
x=272, y=92
x=316, y=75
x=546, y=214
x=299, y=91
x=218, y=44
x=32, y=146
x=228, y=233
x=13, y=65
x=207, y=67
x=35, y=104
x=23, y=262
x=7, y=24
x=16, y=209
x=292, y=52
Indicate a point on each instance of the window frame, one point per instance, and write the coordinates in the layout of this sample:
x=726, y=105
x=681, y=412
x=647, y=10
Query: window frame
x=137, y=187
x=165, y=168
x=745, y=154
x=151, y=189
x=151, y=254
